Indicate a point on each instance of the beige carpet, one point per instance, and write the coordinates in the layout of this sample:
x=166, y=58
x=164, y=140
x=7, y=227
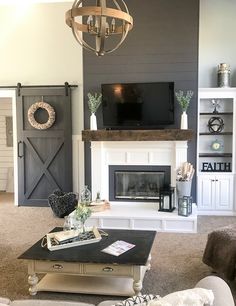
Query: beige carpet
x=176, y=258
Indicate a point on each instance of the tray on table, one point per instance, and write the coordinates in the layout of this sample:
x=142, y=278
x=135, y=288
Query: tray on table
x=91, y=235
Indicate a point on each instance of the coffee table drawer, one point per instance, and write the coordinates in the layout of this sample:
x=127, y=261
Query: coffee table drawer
x=56, y=267
x=118, y=270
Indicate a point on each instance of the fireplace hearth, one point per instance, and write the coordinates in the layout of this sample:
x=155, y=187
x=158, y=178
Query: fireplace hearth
x=137, y=182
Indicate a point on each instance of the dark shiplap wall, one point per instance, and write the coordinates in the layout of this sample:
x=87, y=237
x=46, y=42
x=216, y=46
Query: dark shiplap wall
x=163, y=46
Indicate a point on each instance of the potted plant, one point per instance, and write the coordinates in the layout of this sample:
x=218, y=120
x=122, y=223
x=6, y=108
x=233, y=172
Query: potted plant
x=94, y=102
x=184, y=100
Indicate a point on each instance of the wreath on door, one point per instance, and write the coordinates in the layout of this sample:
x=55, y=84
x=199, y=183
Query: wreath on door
x=51, y=115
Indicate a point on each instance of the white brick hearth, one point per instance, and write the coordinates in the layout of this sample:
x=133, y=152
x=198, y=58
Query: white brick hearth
x=137, y=215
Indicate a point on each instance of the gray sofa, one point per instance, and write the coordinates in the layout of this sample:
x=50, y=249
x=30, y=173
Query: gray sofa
x=221, y=291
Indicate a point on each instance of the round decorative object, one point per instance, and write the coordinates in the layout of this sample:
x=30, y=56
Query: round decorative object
x=215, y=125
x=216, y=145
x=51, y=115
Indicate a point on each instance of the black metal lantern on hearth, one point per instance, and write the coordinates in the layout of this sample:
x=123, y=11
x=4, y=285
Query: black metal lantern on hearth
x=167, y=199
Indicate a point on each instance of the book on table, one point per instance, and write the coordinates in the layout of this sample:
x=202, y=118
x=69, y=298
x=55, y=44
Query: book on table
x=119, y=247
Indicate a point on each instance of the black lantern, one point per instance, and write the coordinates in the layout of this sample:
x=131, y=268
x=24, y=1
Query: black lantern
x=166, y=199
x=185, y=206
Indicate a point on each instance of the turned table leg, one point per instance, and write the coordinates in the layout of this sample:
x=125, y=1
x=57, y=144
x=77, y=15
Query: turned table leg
x=149, y=262
x=138, y=280
x=137, y=286
x=33, y=280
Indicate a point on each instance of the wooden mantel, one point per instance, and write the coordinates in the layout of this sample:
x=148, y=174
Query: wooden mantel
x=137, y=135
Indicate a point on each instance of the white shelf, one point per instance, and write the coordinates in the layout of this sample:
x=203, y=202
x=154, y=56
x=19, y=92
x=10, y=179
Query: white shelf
x=86, y=284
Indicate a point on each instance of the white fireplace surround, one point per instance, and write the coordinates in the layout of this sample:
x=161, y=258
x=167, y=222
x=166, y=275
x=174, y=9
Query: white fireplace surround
x=147, y=153
x=137, y=215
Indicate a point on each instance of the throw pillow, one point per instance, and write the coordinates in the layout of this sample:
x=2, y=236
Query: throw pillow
x=138, y=299
x=189, y=297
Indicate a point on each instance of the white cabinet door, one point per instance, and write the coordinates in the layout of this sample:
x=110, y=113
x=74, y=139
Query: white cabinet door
x=215, y=192
x=206, y=192
x=224, y=192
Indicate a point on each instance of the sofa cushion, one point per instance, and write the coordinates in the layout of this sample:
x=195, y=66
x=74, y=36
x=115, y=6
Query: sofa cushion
x=193, y=297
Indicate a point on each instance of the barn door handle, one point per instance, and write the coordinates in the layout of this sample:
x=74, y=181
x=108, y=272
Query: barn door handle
x=20, y=145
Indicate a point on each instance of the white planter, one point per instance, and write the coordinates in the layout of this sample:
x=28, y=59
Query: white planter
x=93, y=122
x=184, y=121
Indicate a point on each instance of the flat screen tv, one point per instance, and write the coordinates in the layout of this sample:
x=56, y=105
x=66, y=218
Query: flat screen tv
x=138, y=105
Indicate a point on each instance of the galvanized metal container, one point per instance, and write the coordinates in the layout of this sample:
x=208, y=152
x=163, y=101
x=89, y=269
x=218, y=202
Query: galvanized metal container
x=223, y=79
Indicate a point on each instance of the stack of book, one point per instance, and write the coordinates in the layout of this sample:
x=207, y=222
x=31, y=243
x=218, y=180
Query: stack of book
x=99, y=206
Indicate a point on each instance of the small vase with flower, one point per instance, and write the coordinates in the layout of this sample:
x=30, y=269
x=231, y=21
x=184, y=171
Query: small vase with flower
x=184, y=100
x=83, y=212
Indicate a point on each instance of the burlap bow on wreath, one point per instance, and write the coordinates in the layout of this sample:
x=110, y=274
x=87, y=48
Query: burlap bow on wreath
x=51, y=115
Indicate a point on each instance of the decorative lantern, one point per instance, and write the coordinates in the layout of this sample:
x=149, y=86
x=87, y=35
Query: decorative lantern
x=167, y=200
x=185, y=206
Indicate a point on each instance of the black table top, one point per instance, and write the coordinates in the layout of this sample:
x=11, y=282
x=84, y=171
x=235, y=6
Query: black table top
x=91, y=253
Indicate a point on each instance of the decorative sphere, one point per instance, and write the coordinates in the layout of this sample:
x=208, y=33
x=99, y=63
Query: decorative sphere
x=215, y=125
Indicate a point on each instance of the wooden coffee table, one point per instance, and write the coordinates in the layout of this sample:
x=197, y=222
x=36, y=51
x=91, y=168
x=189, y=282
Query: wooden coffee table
x=85, y=269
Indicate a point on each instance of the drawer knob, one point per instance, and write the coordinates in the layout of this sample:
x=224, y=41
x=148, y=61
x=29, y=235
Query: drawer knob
x=107, y=269
x=57, y=267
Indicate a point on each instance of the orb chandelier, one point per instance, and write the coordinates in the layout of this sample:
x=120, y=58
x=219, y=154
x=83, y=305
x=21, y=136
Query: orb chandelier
x=99, y=22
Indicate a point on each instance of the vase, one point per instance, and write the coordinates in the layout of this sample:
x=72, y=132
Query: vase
x=184, y=121
x=93, y=122
x=183, y=188
x=86, y=196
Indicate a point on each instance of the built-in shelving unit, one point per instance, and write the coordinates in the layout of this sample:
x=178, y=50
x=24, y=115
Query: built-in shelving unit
x=216, y=151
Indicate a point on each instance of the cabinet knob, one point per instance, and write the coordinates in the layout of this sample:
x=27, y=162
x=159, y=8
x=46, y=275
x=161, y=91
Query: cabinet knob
x=216, y=180
x=107, y=269
x=57, y=267
x=213, y=180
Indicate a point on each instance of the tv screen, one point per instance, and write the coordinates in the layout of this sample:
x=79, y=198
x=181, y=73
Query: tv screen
x=138, y=105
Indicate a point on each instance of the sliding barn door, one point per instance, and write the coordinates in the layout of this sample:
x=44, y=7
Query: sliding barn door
x=44, y=155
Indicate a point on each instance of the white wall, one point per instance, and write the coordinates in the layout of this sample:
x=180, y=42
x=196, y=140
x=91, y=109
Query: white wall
x=38, y=48
x=6, y=153
x=217, y=42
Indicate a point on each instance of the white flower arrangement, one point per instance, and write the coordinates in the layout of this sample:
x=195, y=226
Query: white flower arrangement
x=83, y=212
x=184, y=99
x=94, y=101
x=185, y=172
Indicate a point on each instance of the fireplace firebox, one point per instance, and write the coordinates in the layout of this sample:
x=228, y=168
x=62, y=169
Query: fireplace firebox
x=137, y=182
